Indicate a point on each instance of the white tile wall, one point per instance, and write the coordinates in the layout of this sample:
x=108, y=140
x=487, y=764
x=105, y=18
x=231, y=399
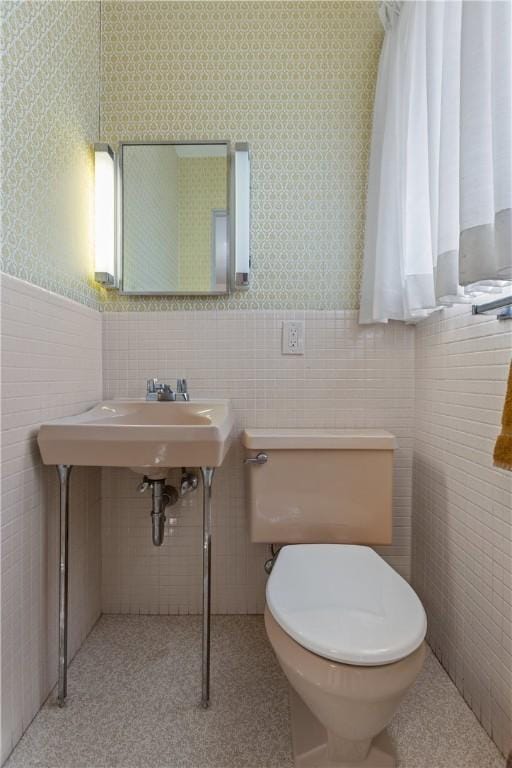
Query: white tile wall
x=462, y=519
x=51, y=366
x=350, y=376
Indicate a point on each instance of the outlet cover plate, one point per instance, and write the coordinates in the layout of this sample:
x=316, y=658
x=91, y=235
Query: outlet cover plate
x=292, y=340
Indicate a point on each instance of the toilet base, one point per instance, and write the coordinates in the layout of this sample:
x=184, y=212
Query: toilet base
x=313, y=749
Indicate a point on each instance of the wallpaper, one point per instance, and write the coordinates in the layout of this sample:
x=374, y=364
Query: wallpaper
x=295, y=80
x=202, y=189
x=50, y=83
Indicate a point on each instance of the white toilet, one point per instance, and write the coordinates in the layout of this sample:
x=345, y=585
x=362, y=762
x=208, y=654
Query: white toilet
x=347, y=630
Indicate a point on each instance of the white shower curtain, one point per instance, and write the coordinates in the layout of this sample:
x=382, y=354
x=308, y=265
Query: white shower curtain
x=440, y=179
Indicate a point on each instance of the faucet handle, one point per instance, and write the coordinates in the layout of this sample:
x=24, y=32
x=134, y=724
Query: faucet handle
x=181, y=389
x=151, y=386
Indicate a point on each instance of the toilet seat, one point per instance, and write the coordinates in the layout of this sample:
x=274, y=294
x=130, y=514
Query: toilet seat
x=345, y=603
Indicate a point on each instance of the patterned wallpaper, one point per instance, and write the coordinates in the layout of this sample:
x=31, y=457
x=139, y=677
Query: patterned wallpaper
x=50, y=82
x=295, y=80
x=202, y=188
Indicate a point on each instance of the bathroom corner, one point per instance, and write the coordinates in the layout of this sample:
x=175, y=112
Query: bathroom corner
x=179, y=651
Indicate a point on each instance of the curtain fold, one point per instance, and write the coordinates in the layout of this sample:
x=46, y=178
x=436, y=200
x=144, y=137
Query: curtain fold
x=440, y=182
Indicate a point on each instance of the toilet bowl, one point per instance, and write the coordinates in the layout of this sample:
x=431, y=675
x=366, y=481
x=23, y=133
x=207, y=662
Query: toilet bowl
x=348, y=632
x=347, y=629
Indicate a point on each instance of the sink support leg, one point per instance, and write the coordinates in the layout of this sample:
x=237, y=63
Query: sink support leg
x=64, y=471
x=207, y=474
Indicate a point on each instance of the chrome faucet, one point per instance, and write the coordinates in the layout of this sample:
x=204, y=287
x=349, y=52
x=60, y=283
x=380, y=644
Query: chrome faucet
x=181, y=389
x=156, y=390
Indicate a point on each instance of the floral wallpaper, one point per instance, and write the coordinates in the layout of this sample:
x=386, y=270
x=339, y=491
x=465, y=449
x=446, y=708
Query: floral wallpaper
x=294, y=79
x=50, y=98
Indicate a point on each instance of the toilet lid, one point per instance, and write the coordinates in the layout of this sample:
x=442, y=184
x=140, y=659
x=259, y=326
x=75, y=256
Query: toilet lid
x=345, y=603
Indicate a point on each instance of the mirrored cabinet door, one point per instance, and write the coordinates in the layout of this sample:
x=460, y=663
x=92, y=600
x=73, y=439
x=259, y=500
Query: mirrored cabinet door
x=175, y=228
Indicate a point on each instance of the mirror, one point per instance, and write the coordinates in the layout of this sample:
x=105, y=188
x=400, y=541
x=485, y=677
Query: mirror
x=174, y=223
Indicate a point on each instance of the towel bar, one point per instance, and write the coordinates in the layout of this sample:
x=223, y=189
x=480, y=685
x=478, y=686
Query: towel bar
x=505, y=304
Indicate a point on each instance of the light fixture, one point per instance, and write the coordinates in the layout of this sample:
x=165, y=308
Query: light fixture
x=241, y=218
x=104, y=215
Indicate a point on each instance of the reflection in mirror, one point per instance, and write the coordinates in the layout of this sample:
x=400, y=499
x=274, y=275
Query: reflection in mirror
x=175, y=218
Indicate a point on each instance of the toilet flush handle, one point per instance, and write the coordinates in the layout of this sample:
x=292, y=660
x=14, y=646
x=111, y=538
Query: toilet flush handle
x=260, y=458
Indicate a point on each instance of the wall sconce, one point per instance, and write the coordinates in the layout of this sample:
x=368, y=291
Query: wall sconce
x=104, y=216
x=241, y=218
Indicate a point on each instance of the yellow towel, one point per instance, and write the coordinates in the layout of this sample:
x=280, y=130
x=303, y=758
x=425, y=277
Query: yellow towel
x=503, y=447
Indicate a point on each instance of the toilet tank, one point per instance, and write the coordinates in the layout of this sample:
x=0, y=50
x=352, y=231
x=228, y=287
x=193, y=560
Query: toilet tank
x=320, y=486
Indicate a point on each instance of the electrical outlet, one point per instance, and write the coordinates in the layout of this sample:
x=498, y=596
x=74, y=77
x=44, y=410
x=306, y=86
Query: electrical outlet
x=293, y=338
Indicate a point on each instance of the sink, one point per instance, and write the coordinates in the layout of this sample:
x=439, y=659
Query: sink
x=149, y=437
x=145, y=436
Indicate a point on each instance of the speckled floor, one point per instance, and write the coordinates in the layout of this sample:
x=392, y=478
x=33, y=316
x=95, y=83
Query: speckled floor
x=133, y=703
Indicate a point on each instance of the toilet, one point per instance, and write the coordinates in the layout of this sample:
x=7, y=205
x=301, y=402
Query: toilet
x=347, y=629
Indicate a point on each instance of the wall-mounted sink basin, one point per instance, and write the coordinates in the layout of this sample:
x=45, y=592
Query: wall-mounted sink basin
x=147, y=436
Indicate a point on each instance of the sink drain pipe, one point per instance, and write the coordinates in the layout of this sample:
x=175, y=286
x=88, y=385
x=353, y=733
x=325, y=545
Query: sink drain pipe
x=162, y=496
